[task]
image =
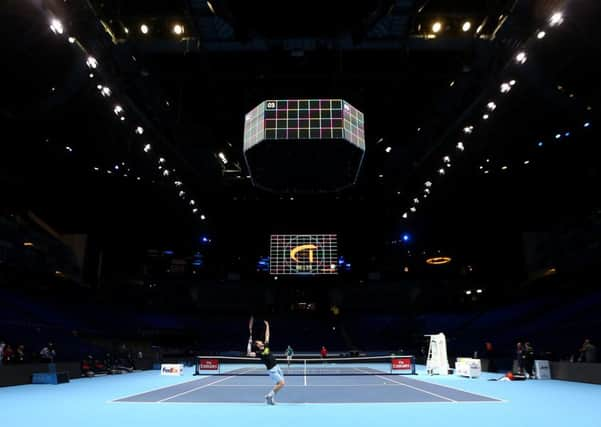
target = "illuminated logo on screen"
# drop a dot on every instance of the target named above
(303, 254)
(309, 248)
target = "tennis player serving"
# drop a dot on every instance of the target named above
(268, 358)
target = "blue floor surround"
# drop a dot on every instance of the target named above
(92, 402)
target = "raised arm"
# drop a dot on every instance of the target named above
(266, 331)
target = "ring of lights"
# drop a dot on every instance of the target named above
(438, 260)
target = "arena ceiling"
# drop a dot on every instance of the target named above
(424, 88)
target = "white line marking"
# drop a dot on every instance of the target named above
(415, 388)
(280, 403)
(198, 388)
(159, 388)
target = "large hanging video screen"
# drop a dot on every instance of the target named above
(303, 254)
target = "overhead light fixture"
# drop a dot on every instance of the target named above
(526, 162)
(105, 91)
(71, 40)
(504, 167)
(467, 25)
(468, 129)
(178, 29)
(441, 171)
(210, 6)
(412, 209)
(485, 117)
(556, 19)
(468, 292)
(69, 149)
(388, 149)
(404, 215)
(521, 58)
(161, 160)
(587, 124)
(139, 130)
(460, 146)
(182, 193)
(478, 291)
(436, 27)
(428, 184)
(438, 260)
(56, 26)
(222, 157)
(118, 110)
(380, 176)
(512, 82)
(91, 62)
(192, 202)
(416, 201)
(491, 106)
(427, 190)
(28, 244)
(144, 29)
(177, 183)
(505, 87)
(446, 159)
(541, 35)
(194, 210)
(166, 172)
(203, 217)
(147, 148)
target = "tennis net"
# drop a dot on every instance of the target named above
(367, 365)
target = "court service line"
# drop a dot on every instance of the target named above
(416, 388)
(201, 387)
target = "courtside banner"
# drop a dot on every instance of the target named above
(172, 369)
(402, 365)
(208, 365)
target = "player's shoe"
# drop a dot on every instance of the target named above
(269, 399)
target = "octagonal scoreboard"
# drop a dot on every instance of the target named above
(303, 254)
(304, 145)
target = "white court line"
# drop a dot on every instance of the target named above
(201, 387)
(415, 388)
(463, 390)
(280, 403)
(159, 388)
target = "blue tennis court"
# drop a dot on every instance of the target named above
(355, 388)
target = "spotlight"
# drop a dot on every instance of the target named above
(468, 292)
(144, 29)
(91, 62)
(56, 26)
(504, 168)
(446, 159)
(192, 202)
(166, 172)
(412, 209)
(467, 25)
(526, 162)
(71, 40)
(178, 183)
(541, 35)
(587, 125)
(460, 146)
(512, 82)
(388, 149)
(441, 171)
(416, 201)
(491, 106)
(105, 91)
(521, 58)
(118, 109)
(182, 193)
(139, 130)
(147, 148)
(178, 29)
(540, 143)
(428, 184)
(194, 211)
(161, 160)
(485, 117)
(404, 215)
(556, 19)
(505, 87)
(436, 27)
(468, 129)
(223, 158)
(203, 217)
(406, 237)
